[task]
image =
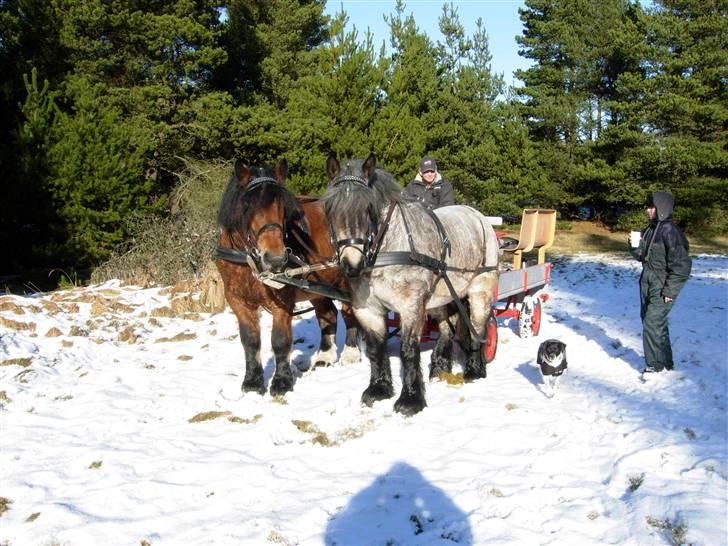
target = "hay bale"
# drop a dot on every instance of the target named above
(212, 293)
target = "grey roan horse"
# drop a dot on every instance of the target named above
(398, 257)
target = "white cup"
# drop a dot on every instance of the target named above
(634, 238)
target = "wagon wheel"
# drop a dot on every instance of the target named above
(491, 339)
(536, 320)
(529, 319)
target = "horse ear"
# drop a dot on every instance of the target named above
(368, 167)
(332, 167)
(242, 172)
(281, 171)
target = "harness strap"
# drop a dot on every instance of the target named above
(232, 255)
(374, 249)
(415, 258)
(321, 289)
(269, 226)
(402, 257)
(307, 247)
(408, 231)
(464, 315)
(445, 249)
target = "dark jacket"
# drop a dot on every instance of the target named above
(663, 252)
(438, 194)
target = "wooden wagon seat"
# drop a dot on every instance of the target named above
(538, 227)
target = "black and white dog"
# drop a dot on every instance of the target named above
(552, 361)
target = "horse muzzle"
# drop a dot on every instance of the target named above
(272, 262)
(352, 261)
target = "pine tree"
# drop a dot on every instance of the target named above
(270, 45)
(571, 96)
(134, 67)
(400, 133)
(678, 98)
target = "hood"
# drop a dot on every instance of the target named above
(664, 204)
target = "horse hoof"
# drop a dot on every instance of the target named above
(409, 406)
(374, 393)
(350, 355)
(471, 374)
(436, 371)
(253, 387)
(279, 387)
(324, 358)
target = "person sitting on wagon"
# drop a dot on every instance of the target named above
(429, 186)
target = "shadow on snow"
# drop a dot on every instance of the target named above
(400, 507)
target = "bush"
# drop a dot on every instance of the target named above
(709, 222)
(180, 246)
(634, 220)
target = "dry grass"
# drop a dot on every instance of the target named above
(4, 505)
(674, 531)
(452, 378)
(321, 438)
(212, 415)
(163, 251)
(574, 237)
(182, 336)
(635, 481)
(22, 362)
(208, 416)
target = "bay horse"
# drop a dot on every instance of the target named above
(398, 256)
(264, 227)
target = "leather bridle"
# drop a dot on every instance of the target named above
(252, 237)
(365, 245)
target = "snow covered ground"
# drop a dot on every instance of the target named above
(123, 423)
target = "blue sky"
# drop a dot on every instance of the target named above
(500, 18)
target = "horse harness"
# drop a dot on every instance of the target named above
(250, 255)
(235, 255)
(370, 249)
(374, 258)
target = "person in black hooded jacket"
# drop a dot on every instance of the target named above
(666, 264)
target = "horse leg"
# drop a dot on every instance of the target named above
(375, 336)
(350, 354)
(326, 314)
(441, 360)
(412, 398)
(480, 296)
(281, 338)
(249, 327)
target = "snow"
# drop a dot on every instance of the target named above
(107, 434)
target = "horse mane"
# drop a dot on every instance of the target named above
(238, 204)
(383, 185)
